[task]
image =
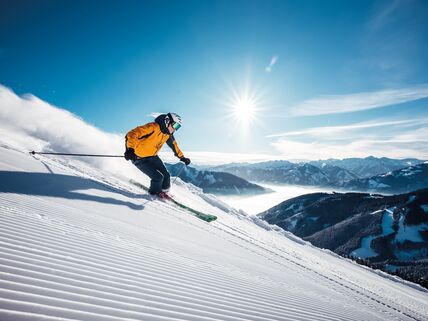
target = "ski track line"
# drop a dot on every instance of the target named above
(282, 252)
(77, 247)
(376, 297)
(111, 307)
(328, 285)
(63, 223)
(60, 279)
(10, 315)
(247, 316)
(156, 206)
(362, 293)
(55, 311)
(133, 297)
(95, 272)
(352, 294)
(88, 279)
(154, 272)
(341, 284)
(78, 227)
(39, 233)
(297, 271)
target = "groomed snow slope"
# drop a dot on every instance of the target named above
(77, 243)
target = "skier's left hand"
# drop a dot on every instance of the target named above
(130, 154)
(185, 160)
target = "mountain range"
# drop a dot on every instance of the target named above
(362, 174)
(369, 166)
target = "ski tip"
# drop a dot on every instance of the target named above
(207, 218)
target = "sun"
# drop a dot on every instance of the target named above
(244, 108)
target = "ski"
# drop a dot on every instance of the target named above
(200, 215)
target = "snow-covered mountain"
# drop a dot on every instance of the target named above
(337, 175)
(278, 172)
(387, 230)
(284, 172)
(369, 166)
(330, 173)
(399, 181)
(79, 242)
(220, 183)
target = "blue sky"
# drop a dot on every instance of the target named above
(291, 79)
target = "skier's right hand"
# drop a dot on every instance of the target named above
(130, 154)
(185, 160)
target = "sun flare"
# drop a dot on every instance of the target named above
(244, 109)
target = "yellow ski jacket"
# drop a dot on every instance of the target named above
(148, 139)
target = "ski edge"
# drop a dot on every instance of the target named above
(196, 213)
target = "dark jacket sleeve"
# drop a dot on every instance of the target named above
(172, 143)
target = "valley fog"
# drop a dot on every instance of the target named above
(255, 204)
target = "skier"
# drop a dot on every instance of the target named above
(143, 144)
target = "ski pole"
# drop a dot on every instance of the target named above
(179, 172)
(69, 154)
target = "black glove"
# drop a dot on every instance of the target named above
(130, 154)
(185, 160)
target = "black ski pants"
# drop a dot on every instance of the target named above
(154, 168)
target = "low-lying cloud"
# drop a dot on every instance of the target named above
(335, 104)
(394, 138)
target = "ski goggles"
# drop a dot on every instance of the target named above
(176, 126)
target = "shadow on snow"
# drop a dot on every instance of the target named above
(57, 185)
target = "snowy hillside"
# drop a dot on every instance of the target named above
(403, 180)
(78, 242)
